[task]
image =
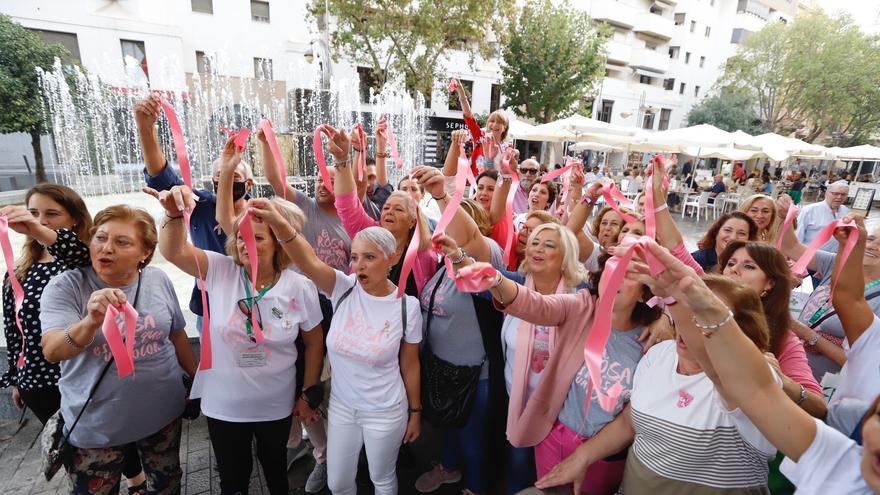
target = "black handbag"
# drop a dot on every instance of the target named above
(448, 390)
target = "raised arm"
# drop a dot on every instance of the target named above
(848, 299)
(24, 222)
(668, 234)
(225, 211)
(463, 101)
(173, 244)
(791, 246)
(301, 253)
(498, 208)
(270, 169)
(577, 219)
(381, 155)
(146, 112)
(450, 165)
(339, 146)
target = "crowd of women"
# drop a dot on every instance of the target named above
(707, 384)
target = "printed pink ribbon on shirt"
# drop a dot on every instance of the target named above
(123, 351)
(269, 132)
(205, 355)
(246, 229)
(412, 250)
(800, 267)
(318, 148)
(17, 291)
(790, 216)
(395, 153)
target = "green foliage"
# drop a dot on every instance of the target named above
(727, 111)
(818, 75)
(553, 60)
(21, 52)
(412, 37)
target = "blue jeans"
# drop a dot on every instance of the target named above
(468, 443)
(520, 469)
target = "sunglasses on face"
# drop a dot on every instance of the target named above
(530, 171)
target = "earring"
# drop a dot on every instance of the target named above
(763, 294)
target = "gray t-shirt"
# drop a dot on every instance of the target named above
(123, 409)
(819, 304)
(325, 233)
(455, 332)
(622, 355)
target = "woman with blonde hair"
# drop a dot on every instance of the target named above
(762, 210)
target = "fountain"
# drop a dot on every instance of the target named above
(96, 145)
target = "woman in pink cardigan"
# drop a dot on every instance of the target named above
(399, 215)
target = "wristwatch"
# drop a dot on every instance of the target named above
(814, 340)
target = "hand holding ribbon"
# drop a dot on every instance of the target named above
(358, 131)
(453, 85)
(395, 153)
(476, 278)
(612, 196)
(240, 137)
(122, 350)
(833, 229)
(318, 148)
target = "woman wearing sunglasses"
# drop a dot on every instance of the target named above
(249, 391)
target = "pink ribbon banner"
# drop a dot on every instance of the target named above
(318, 148)
(17, 291)
(122, 350)
(246, 228)
(800, 267)
(790, 217)
(269, 132)
(241, 136)
(205, 356)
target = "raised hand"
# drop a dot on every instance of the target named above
(98, 302)
(841, 235)
(175, 200)
(339, 145)
(381, 134)
(21, 220)
(431, 180)
(445, 245)
(146, 112)
(231, 155)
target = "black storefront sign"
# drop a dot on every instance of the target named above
(444, 124)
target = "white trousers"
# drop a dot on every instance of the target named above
(380, 432)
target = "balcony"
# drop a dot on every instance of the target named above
(654, 25)
(614, 13)
(653, 60)
(618, 53)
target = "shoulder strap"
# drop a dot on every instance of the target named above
(342, 298)
(430, 316)
(403, 317)
(833, 312)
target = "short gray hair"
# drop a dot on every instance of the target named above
(243, 166)
(381, 238)
(839, 183)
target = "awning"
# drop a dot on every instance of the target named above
(649, 73)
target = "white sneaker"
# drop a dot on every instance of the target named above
(318, 479)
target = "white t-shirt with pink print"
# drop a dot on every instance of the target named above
(364, 342)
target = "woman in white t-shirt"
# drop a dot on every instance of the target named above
(249, 390)
(373, 347)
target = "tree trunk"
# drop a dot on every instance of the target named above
(38, 155)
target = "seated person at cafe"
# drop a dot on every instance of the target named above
(717, 188)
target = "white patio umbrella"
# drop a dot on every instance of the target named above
(587, 145)
(520, 130)
(572, 128)
(863, 152)
(702, 135)
(729, 154)
(779, 147)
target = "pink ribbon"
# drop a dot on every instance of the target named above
(800, 267)
(594, 348)
(241, 136)
(566, 182)
(250, 244)
(362, 156)
(123, 351)
(395, 154)
(205, 356)
(789, 221)
(17, 291)
(318, 148)
(269, 132)
(650, 214)
(508, 216)
(412, 250)
(559, 171)
(461, 177)
(612, 196)
(475, 278)
(660, 301)
(453, 85)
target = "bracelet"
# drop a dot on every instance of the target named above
(292, 237)
(73, 344)
(413, 410)
(357, 150)
(498, 279)
(661, 208)
(313, 395)
(170, 218)
(708, 330)
(587, 200)
(383, 155)
(445, 195)
(803, 395)
(343, 163)
(460, 258)
(814, 340)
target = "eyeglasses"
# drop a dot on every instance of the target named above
(530, 171)
(249, 307)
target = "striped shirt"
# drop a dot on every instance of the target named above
(686, 436)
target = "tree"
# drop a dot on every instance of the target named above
(21, 52)
(412, 37)
(817, 75)
(553, 60)
(727, 111)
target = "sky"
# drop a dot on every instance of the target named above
(865, 12)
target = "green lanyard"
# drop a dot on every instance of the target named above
(826, 308)
(251, 302)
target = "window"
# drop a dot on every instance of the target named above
(263, 68)
(367, 79)
(648, 121)
(696, 91)
(673, 52)
(708, 31)
(669, 84)
(134, 55)
(646, 79)
(665, 113)
(495, 98)
(203, 6)
(687, 57)
(67, 40)
(702, 62)
(204, 63)
(655, 10)
(650, 46)
(607, 108)
(679, 18)
(681, 89)
(739, 35)
(468, 90)
(693, 26)
(259, 11)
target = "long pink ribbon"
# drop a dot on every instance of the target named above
(475, 278)
(318, 148)
(17, 291)
(597, 339)
(559, 171)
(269, 132)
(508, 215)
(395, 153)
(790, 216)
(205, 355)
(362, 156)
(412, 250)
(566, 172)
(612, 196)
(246, 228)
(650, 214)
(800, 267)
(461, 177)
(123, 351)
